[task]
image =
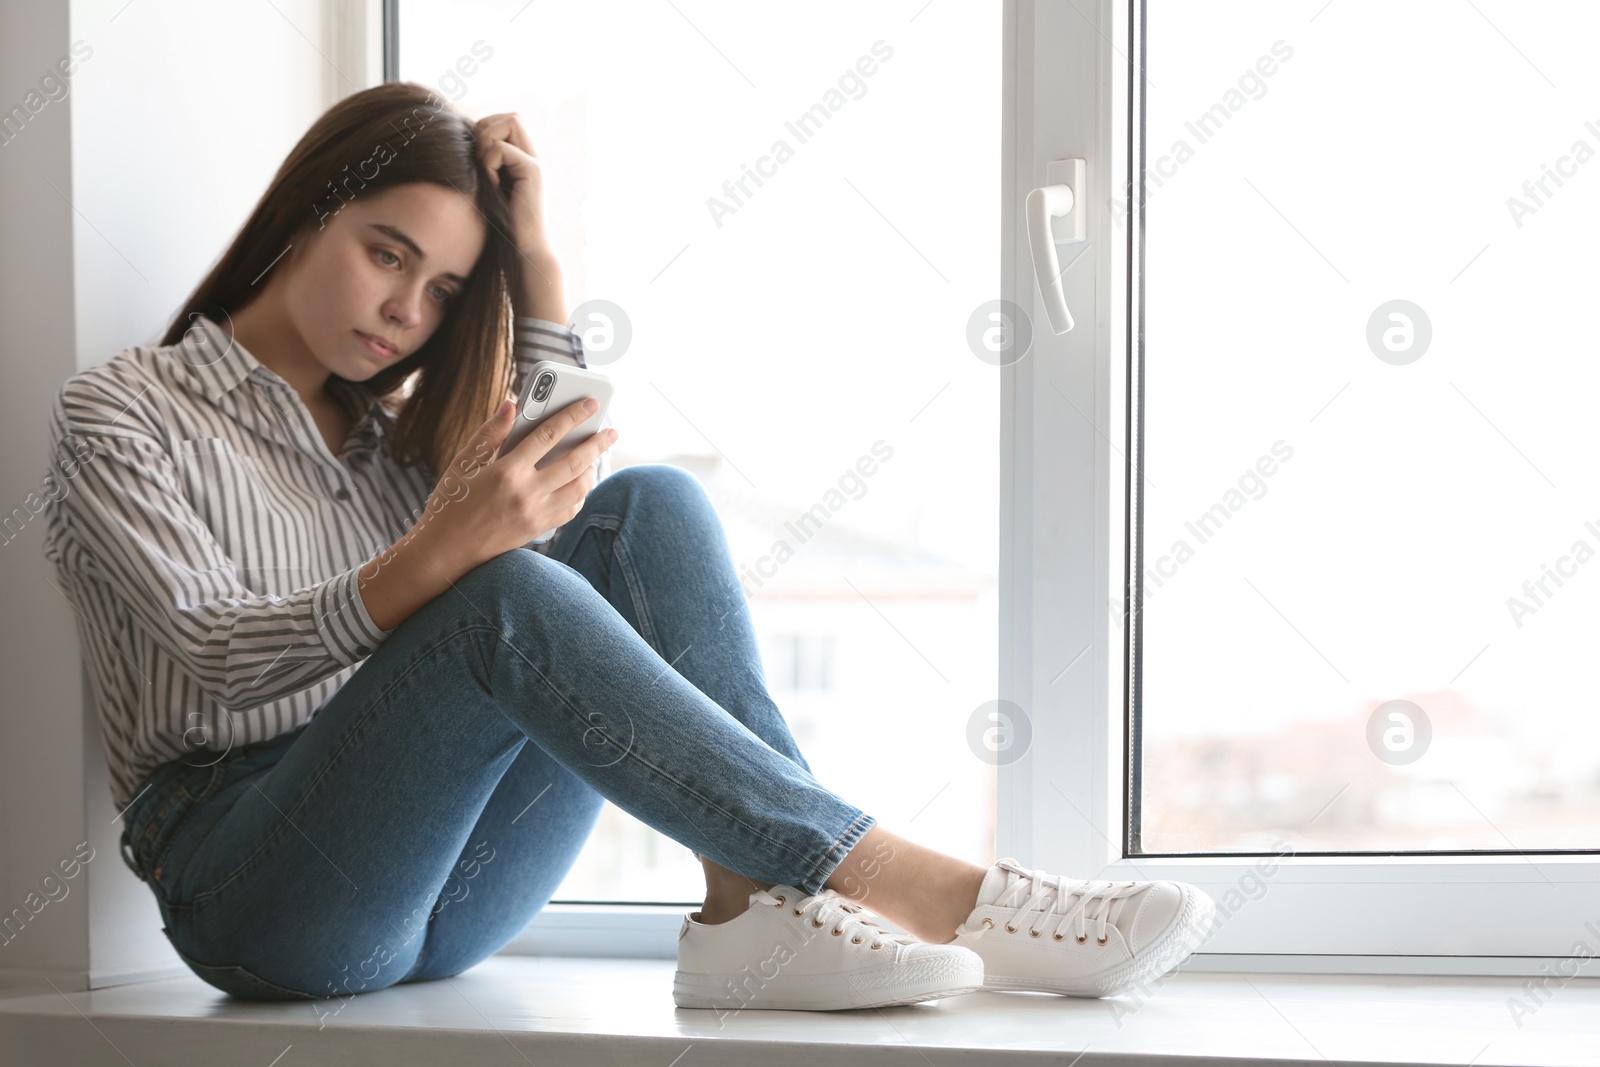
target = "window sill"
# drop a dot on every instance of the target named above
(565, 1010)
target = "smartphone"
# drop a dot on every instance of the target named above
(550, 387)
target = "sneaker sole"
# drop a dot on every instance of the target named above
(1173, 947)
(880, 987)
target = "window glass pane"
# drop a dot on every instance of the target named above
(1371, 522)
(796, 209)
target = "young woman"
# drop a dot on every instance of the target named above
(361, 727)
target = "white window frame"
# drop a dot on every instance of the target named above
(1068, 93)
(1070, 90)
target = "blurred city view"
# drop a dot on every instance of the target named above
(1317, 787)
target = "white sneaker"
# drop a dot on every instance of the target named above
(1044, 932)
(816, 953)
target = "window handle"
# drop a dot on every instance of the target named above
(1056, 215)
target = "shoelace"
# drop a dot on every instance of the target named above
(1050, 892)
(830, 906)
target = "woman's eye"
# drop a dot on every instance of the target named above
(445, 295)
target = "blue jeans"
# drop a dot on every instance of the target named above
(409, 830)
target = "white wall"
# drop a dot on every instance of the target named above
(41, 734)
(169, 132)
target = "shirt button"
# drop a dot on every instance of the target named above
(363, 649)
(343, 493)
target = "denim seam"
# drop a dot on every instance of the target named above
(730, 816)
(641, 603)
(225, 969)
(178, 795)
(841, 848)
(344, 745)
(642, 610)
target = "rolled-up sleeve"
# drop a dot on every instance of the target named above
(139, 536)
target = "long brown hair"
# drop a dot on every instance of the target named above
(411, 134)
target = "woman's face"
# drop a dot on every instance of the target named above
(387, 266)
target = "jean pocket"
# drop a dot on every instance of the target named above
(174, 794)
(235, 980)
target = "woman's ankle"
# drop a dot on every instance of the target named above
(923, 891)
(713, 914)
(727, 893)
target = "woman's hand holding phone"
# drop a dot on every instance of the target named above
(488, 503)
(484, 504)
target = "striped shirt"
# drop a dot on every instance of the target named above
(210, 542)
